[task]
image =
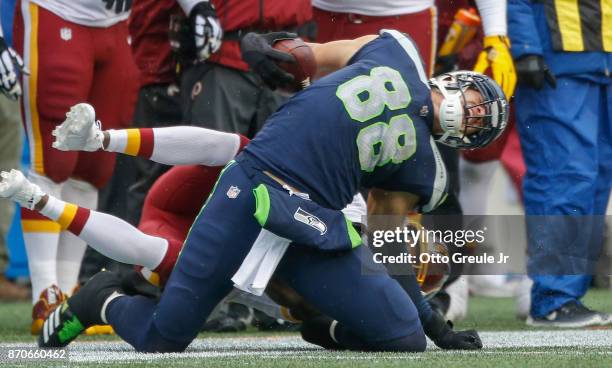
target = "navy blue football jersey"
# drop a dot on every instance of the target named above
(365, 125)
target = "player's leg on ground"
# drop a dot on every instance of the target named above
(218, 242)
(371, 309)
(558, 188)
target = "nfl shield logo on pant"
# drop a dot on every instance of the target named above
(233, 192)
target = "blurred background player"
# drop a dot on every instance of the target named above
(488, 52)
(10, 147)
(343, 19)
(74, 51)
(460, 39)
(563, 53)
(159, 100)
(221, 93)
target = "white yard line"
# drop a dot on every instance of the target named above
(292, 347)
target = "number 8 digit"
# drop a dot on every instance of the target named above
(365, 97)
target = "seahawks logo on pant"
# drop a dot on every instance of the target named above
(310, 220)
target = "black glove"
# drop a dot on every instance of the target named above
(206, 29)
(10, 64)
(533, 72)
(258, 52)
(442, 334)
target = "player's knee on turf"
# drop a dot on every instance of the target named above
(155, 343)
(153, 338)
(329, 334)
(416, 343)
(182, 314)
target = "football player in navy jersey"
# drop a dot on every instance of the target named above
(370, 123)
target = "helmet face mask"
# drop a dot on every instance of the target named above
(467, 124)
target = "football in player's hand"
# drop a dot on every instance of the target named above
(305, 66)
(432, 275)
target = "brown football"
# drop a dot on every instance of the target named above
(432, 275)
(305, 66)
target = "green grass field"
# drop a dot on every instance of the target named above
(508, 343)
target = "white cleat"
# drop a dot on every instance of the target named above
(80, 131)
(523, 297)
(18, 188)
(492, 286)
(458, 306)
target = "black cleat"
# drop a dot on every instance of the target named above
(224, 324)
(235, 319)
(571, 315)
(263, 322)
(79, 312)
(60, 328)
